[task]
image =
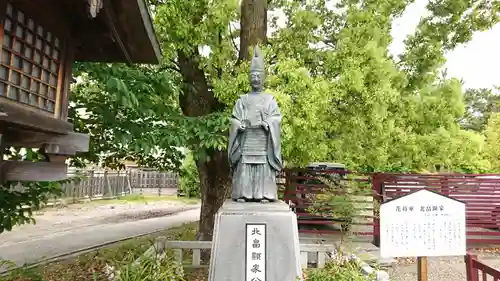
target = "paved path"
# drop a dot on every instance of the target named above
(74, 240)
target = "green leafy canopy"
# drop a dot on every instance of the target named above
(343, 96)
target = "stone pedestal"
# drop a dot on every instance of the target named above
(233, 243)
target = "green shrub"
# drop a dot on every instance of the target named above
(344, 197)
(154, 268)
(190, 181)
(19, 274)
(337, 270)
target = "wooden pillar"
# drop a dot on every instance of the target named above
(2, 148)
(158, 181)
(107, 192)
(1, 160)
(68, 68)
(76, 189)
(119, 183)
(93, 183)
(472, 273)
(129, 181)
(142, 177)
(377, 194)
(422, 269)
(61, 87)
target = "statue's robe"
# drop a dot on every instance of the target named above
(255, 153)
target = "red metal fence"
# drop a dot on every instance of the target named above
(351, 209)
(317, 213)
(475, 268)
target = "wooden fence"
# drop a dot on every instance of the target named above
(321, 252)
(480, 192)
(106, 184)
(311, 255)
(150, 182)
(475, 268)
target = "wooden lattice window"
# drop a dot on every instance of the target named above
(29, 62)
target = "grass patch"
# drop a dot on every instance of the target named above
(137, 198)
(127, 199)
(92, 266)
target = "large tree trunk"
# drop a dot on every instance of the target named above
(253, 25)
(215, 181)
(198, 100)
(215, 178)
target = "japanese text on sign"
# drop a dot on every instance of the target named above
(422, 224)
(421, 208)
(255, 252)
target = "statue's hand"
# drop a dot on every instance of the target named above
(265, 126)
(244, 124)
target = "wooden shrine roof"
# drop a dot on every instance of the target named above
(122, 30)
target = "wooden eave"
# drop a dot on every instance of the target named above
(121, 32)
(31, 120)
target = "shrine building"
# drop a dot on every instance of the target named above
(39, 41)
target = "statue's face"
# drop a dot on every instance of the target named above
(256, 80)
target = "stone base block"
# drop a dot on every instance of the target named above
(234, 247)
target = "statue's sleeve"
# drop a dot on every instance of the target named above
(273, 120)
(234, 146)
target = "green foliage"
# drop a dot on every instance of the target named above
(104, 263)
(126, 116)
(340, 269)
(16, 273)
(343, 200)
(132, 113)
(493, 140)
(190, 181)
(480, 104)
(448, 24)
(18, 200)
(343, 97)
(154, 268)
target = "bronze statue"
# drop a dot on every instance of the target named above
(254, 140)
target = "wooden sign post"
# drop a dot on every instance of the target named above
(422, 269)
(422, 224)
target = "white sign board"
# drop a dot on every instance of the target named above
(255, 252)
(422, 224)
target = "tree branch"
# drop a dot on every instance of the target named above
(219, 69)
(232, 40)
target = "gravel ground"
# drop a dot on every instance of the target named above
(67, 218)
(441, 268)
(446, 268)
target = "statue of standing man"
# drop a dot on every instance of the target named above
(254, 141)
